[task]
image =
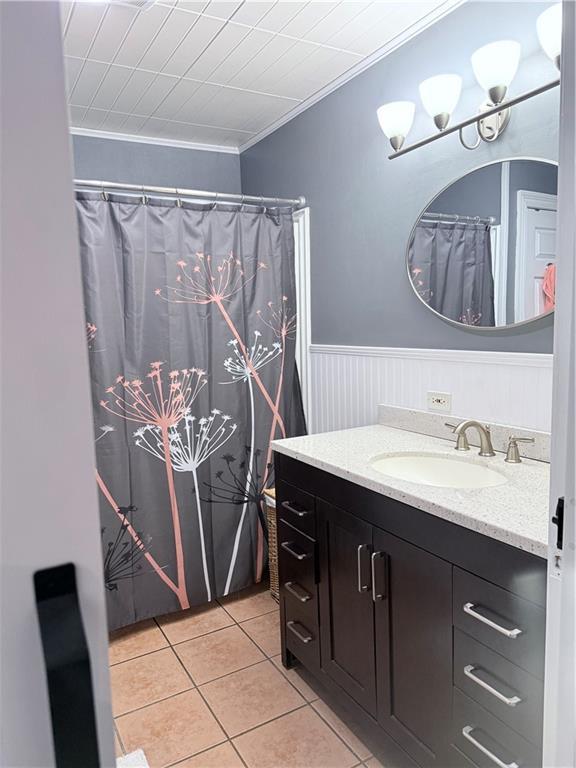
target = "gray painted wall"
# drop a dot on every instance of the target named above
(476, 194)
(137, 163)
(363, 206)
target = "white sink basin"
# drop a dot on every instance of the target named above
(437, 469)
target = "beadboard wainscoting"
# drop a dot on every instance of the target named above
(348, 383)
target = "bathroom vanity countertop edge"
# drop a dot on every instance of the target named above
(515, 513)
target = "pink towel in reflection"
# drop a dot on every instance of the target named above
(549, 287)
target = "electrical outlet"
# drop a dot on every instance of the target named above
(439, 401)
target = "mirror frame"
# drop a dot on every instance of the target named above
(455, 323)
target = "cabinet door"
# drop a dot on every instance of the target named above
(346, 606)
(413, 591)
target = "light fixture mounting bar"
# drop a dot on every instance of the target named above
(477, 118)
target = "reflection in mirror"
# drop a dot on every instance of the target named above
(483, 252)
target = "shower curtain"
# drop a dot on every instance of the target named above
(451, 268)
(190, 328)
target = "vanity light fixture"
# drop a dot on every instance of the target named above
(549, 28)
(396, 119)
(495, 66)
(439, 96)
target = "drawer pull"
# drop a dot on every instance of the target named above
(296, 628)
(287, 546)
(298, 591)
(467, 733)
(511, 701)
(471, 610)
(295, 508)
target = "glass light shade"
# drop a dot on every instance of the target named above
(549, 28)
(440, 94)
(396, 118)
(496, 64)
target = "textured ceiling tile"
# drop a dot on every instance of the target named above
(82, 27)
(114, 27)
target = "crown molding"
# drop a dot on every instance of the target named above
(427, 21)
(153, 140)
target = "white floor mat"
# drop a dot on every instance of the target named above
(133, 760)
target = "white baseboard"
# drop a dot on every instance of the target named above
(347, 383)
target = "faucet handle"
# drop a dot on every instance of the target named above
(452, 426)
(513, 454)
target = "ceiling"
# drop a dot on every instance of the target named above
(221, 73)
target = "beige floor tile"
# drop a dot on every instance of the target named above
(118, 746)
(194, 622)
(217, 654)
(265, 631)
(342, 730)
(223, 756)
(250, 697)
(249, 603)
(135, 640)
(300, 739)
(146, 679)
(293, 676)
(171, 730)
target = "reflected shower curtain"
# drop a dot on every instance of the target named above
(190, 324)
(451, 268)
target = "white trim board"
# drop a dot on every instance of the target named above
(427, 21)
(530, 359)
(347, 384)
(95, 134)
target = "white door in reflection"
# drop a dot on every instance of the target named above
(536, 252)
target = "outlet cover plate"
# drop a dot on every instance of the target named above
(441, 402)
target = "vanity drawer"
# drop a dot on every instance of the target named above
(508, 624)
(302, 634)
(297, 561)
(505, 690)
(486, 741)
(297, 508)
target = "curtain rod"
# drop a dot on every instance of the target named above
(457, 217)
(220, 197)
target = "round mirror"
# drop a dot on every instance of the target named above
(483, 252)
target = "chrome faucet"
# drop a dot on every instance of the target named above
(459, 430)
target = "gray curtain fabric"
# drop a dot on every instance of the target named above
(451, 268)
(190, 323)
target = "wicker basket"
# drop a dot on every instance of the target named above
(270, 496)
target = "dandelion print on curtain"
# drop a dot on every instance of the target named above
(190, 328)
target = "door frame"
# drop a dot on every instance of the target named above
(303, 327)
(525, 200)
(560, 683)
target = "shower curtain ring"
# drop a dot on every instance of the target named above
(104, 194)
(178, 199)
(144, 198)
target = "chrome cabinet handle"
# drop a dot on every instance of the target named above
(292, 626)
(299, 511)
(379, 593)
(362, 586)
(511, 701)
(287, 546)
(467, 733)
(298, 591)
(469, 608)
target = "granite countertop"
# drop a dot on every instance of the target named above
(515, 512)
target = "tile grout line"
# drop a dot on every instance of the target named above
(337, 734)
(117, 732)
(224, 731)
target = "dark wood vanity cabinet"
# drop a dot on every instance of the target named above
(431, 634)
